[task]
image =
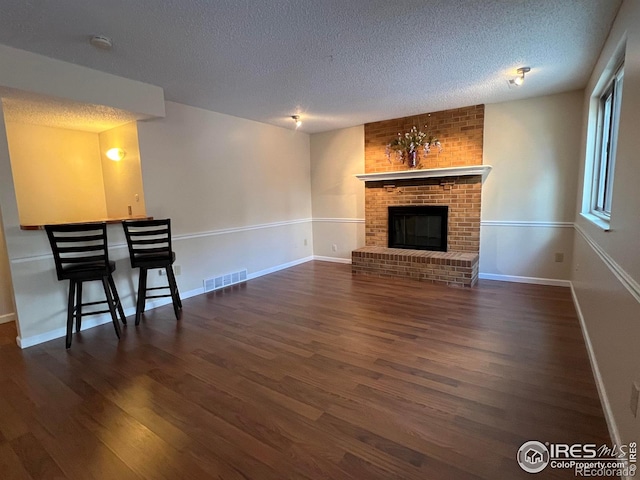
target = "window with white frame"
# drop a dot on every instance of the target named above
(605, 148)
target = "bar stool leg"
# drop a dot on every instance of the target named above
(112, 307)
(177, 291)
(175, 284)
(78, 306)
(70, 312)
(116, 299)
(142, 294)
(173, 287)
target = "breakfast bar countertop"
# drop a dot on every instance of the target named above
(106, 220)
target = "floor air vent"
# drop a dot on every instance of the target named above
(215, 283)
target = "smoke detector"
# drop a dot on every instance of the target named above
(101, 42)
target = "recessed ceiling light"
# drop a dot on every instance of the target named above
(101, 42)
(296, 118)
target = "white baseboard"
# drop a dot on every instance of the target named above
(332, 259)
(7, 317)
(602, 393)
(95, 321)
(277, 268)
(87, 323)
(517, 279)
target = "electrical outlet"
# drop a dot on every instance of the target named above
(334, 248)
(559, 257)
(161, 272)
(635, 394)
(305, 242)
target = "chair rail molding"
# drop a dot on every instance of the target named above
(627, 280)
(525, 223)
(183, 236)
(338, 220)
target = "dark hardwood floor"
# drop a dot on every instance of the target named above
(308, 373)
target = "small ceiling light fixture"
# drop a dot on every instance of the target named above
(296, 118)
(116, 154)
(101, 42)
(519, 80)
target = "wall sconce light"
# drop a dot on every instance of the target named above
(296, 118)
(116, 154)
(519, 80)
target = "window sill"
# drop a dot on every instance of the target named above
(597, 221)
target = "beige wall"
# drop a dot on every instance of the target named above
(122, 179)
(64, 175)
(609, 302)
(337, 196)
(57, 174)
(528, 199)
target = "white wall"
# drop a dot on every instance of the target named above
(337, 196)
(35, 73)
(606, 265)
(39, 297)
(528, 199)
(7, 309)
(13, 240)
(238, 192)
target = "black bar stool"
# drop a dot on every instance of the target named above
(81, 255)
(149, 244)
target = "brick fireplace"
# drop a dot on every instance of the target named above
(452, 178)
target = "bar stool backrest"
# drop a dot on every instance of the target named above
(79, 246)
(148, 239)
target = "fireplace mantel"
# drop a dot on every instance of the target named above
(427, 173)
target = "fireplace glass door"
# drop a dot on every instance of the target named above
(422, 227)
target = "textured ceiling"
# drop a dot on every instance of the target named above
(26, 107)
(336, 62)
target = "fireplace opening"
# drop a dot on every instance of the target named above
(421, 228)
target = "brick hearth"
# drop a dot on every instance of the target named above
(451, 268)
